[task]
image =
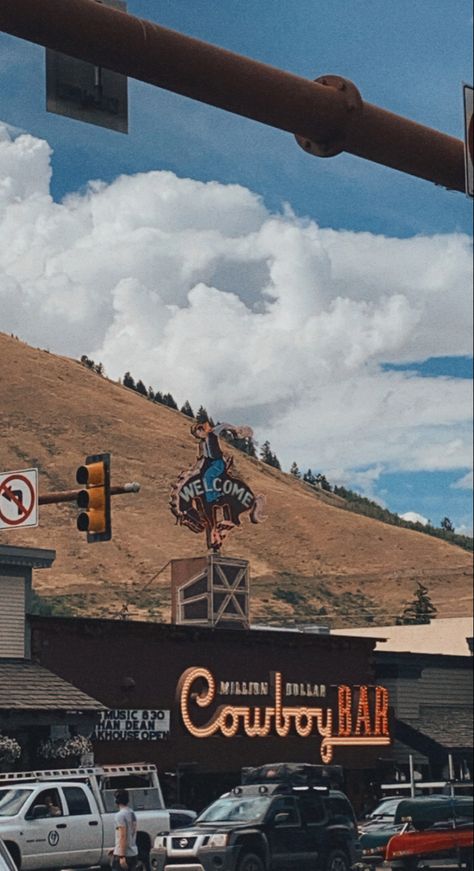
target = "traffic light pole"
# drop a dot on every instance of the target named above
(71, 495)
(327, 116)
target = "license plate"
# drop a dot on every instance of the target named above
(183, 868)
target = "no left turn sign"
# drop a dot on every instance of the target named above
(19, 498)
(469, 139)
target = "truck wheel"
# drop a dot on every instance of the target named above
(250, 862)
(466, 859)
(14, 853)
(410, 864)
(337, 861)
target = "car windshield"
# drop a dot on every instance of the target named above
(236, 810)
(385, 810)
(12, 800)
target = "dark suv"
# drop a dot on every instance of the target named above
(265, 827)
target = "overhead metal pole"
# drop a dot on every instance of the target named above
(71, 495)
(327, 116)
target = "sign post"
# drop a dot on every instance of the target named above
(19, 499)
(87, 92)
(469, 139)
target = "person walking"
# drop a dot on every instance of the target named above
(125, 852)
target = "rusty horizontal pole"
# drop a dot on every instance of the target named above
(71, 495)
(317, 114)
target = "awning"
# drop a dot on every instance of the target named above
(27, 689)
(438, 732)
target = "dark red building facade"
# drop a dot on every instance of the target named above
(204, 703)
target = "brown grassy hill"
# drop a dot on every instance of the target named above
(311, 561)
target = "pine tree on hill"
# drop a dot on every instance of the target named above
(309, 478)
(247, 445)
(187, 410)
(140, 388)
(169, 401)
(128, 381)
(323, 483)
(421, 610)
(202, 415)
(268, 457)
(265, 453)
(295, 471)
(447, 525)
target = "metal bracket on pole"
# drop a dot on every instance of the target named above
(354, 106)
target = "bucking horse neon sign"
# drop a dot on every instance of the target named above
(207, 497)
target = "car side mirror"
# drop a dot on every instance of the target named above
(281, 819)
(38, 812)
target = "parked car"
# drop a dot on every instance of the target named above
(384, 812)
(435, 812)
(65, 818)
(376, 830)
(265, 826)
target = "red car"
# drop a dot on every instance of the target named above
(433, 830)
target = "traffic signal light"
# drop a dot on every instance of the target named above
(95, 518)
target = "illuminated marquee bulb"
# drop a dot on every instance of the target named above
(203, 699)
(344, 694)
(363, 713)
(381, 726)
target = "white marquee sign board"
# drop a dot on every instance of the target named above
(19, 499)
(132, 725)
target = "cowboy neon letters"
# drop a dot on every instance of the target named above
(228, 487)
(364, 723)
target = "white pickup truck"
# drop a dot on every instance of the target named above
(64, 818)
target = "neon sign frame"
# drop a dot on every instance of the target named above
(366, 724)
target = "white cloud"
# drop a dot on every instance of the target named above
(413, 517)
(464, 483)
(266, 319)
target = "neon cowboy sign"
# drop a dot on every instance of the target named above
(208, 497)
(361, 717)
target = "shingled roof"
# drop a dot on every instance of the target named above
(451, 728)
(437, 732)
(25, 686)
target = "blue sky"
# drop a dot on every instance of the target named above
(307, 226)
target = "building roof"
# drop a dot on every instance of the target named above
(438, 732)
(32, 557)
(451, 728)
(448, 636)
(25, 686)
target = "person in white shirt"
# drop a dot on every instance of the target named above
(125, 851)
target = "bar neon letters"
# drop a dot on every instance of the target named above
(365, 729)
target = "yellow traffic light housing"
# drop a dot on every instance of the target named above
(95, 518)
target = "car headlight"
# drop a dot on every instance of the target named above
(220, 839)
(160, 842)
